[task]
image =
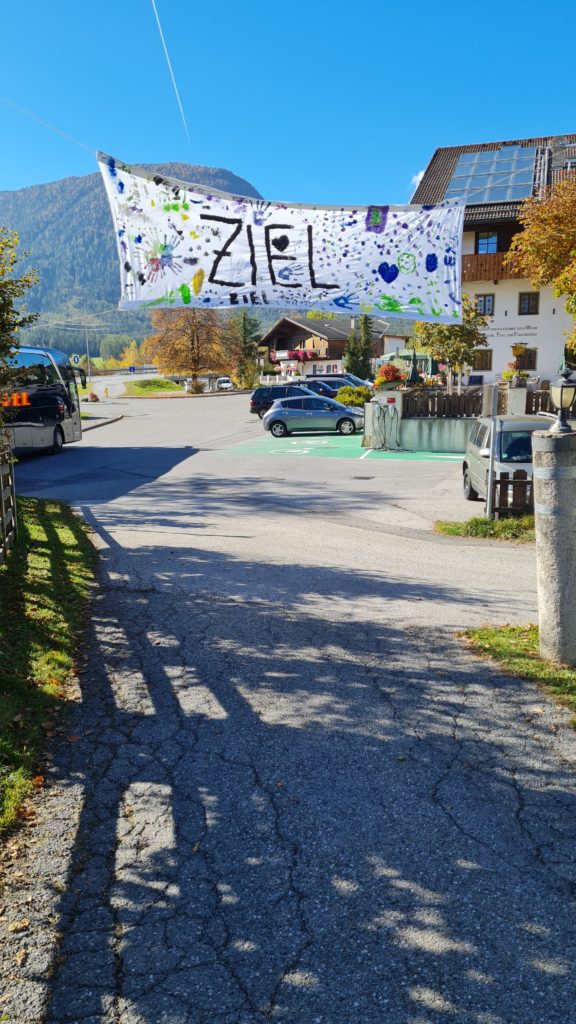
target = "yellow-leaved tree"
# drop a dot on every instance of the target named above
(545, 250)
(131, 355)
(186, 341)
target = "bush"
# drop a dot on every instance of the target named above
(355, 396)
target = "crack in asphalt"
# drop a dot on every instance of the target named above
(299, 818)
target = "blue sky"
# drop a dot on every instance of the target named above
(318, 101)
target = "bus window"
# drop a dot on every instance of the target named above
(36, 368)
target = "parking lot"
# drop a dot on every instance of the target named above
(331, 446)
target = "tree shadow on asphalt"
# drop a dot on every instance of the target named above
(79, 472)
(81, 476)
(300, 818)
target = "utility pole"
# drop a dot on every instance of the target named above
(88, 355)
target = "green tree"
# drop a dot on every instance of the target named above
(112, 344)
(241, 338)
(454, 344)
(358, 353)
(12, 288)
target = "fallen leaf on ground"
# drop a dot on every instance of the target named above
(38, 781)
(19, 926)
(73, 739)
(21, 957)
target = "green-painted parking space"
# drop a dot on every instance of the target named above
(331, 446)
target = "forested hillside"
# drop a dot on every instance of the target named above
(67, 226)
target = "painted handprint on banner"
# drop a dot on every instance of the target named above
(160, 258)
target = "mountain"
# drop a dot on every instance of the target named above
(67, 226)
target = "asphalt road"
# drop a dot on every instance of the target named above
(293, 795)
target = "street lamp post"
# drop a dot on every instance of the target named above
(562, 395)
(413, 376)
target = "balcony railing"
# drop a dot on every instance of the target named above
(486, 267)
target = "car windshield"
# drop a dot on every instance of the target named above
(516, 446)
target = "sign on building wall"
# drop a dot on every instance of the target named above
(186, 245)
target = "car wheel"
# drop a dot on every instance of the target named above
(58, 441)
(469, 493)
(278, 429)
(260, 414)
(346, 427)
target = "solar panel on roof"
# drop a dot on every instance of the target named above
(496, 176)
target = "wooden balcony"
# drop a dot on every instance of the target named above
(486, 267)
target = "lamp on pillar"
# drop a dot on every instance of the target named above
(562, 395)
(519, 350)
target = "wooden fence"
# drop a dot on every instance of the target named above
(7, 505)
(428, 402)
(538, 401)
(513, 495)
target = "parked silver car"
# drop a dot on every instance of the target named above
(513, 450)
(289, 414)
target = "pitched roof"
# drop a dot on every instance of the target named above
(438, 174)
(338, 329)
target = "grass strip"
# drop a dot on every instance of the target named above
(516, 528)
(44, 599)
(516, 649)
(152, 386)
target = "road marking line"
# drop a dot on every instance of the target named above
(366, 453)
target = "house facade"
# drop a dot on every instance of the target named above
(494, 178)
(299, 346)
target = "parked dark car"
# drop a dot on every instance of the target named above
(264, 397)
(320, 387)
(340, 380)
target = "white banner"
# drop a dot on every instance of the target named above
(187, 245)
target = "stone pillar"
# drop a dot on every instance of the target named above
(517, 399)
(555, 515)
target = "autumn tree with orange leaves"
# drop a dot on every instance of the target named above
(186, 341)
(545, 250)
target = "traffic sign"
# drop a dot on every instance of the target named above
(131, 369)
(76, 360)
